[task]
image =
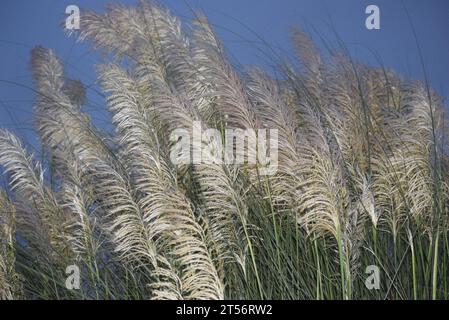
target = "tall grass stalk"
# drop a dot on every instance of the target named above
(361, 179)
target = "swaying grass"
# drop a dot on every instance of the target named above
(362, 177)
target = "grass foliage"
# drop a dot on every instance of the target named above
(362, 177)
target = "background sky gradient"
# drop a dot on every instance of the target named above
(247, 28)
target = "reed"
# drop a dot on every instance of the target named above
(362, 175)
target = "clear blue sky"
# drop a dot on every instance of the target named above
(243, 26)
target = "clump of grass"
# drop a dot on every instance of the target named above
(361, 180)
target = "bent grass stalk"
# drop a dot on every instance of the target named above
(276, 238)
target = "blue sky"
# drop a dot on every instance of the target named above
(246, 27)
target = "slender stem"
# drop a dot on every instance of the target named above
(415, 287)
(342, 264)
(435, 267)
(253, 260)
(276, 234)
(319, 290)
(375, 240)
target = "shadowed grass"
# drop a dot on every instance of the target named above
(362, 176)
